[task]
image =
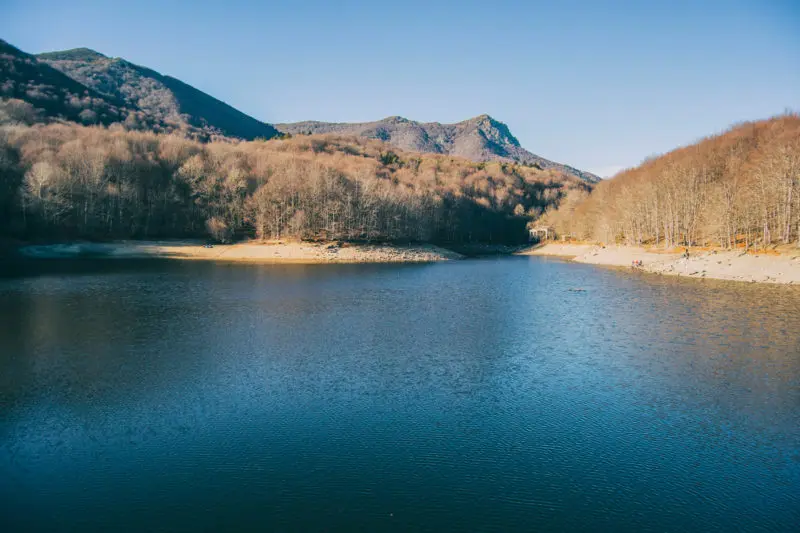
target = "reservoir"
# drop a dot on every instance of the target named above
(500, 394)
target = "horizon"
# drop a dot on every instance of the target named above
(657, 77)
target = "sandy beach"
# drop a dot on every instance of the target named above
(281, 252)
(725, 265)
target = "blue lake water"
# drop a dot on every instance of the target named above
(477, 395)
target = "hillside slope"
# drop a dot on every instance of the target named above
(52, 93)
(481, 138)
(740, 188)
(161, 103)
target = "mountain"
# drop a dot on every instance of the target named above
(161, 103)
(480, 139)
(67, 180)
(85, 86)
(52, 93)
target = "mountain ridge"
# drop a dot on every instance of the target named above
(480, 138)
(51, 93)
(161, 101)
(72, 54)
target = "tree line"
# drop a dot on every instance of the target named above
(740, 188)
(67, 181)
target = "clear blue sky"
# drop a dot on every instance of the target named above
(598, 85)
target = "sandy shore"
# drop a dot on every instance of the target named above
(734, 266)
(285, 252)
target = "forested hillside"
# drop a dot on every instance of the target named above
(158, 103)
(66, 181)
(86, 87)
(738, 188)
(46, 93)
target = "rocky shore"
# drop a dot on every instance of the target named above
(716, 264)
(280, 252)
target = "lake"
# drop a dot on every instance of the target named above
(500, 394)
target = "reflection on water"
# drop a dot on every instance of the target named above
(474, 395)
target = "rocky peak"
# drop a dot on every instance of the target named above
(493, 130)
(480, 138)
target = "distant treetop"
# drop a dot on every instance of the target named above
(74, 54)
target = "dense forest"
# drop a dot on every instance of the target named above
(740, 188)
(67, 181)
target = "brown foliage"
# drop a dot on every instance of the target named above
(738, 188)
(66, 181)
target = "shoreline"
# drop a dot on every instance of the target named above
(714, 264)
(248, 252)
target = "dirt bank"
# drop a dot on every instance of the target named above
(285, 252)
(727, 265)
